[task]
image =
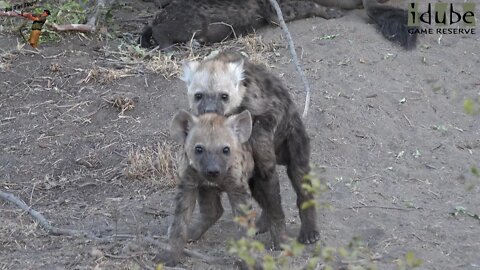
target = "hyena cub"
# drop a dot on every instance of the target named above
(215, 159)
(228, 83)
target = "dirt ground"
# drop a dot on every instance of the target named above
(388, 126)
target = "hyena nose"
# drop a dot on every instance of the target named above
(213, 172)
(210, 110)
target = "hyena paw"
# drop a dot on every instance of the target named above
(167, 258)
(308, 236)
(262, 224)
(194, 234)
(334, 13)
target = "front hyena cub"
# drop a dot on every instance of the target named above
(228, 83)
(215, 159)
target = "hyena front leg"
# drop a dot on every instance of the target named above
(241, 204)
(211, 210)
(184, 205)
(264, 184)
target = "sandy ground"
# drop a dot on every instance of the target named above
(388, 126)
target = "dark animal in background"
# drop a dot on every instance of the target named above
(210, 21)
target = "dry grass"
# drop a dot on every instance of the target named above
(169, 64)
(157, 165)
(164, 65)
(55, 67)
(122, 103)
(104, 76)
(6, 60)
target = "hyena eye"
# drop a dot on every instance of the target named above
(225, 97)
(198, 149)
(226, 150)
(198, 96)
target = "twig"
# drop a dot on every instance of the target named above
(291, 46)
(41, 219)
(229, 25)
(408, 120)
(381, 207)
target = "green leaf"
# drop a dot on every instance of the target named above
(411, 260)
(307, 204)
(475, 171)
(328, 254)
(269, 263)
(252, 231)
(469, 106)
(297, 248)
(312, 263)
(257, 245)
(328, 37)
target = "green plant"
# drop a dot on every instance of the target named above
(354, 256)
(62, 12)
(409, 261)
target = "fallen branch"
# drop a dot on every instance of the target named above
(291, 46)
(70, 27)
(92, 22)
(45, 224)
(9, 14)
(42, 220)
(56, 27)
(90, 26)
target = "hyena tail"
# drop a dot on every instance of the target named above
(393, 24)
(145, 39)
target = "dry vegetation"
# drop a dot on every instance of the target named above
(169, 64)
(157, 165)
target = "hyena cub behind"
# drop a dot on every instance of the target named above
(227, 84)
(215, 159)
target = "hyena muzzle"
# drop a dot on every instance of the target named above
(215, 159)
(228, 83)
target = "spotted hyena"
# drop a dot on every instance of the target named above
(210, 21)
(228, 83)
(215, 159)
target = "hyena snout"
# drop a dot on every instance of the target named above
(210, 105)
(210, 109)
(213, 166)
(213, 172)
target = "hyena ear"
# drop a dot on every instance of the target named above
(181, 124)
(241, 124)
(189, 68)
(236, 68)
